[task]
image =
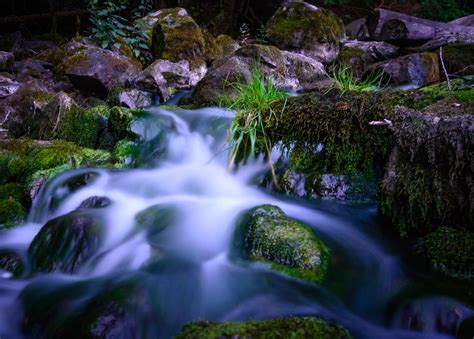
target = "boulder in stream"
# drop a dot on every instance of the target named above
(267, 235)
(295, 327)
(65, 243)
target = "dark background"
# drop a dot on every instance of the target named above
(32, 17)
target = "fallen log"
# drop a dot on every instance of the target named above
(417, 33)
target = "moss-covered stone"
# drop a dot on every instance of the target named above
(11, 212)
(64, 244)
(13, 191)
(175, 36)
(266, 234)
(449, 251)
(296, 327)
(459, 59)
(307, 28)
(356, 59)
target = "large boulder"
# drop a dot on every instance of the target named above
(267, 235)
(175, 36)
(66, 243)
(413, 69)
(305, 28)
(96, 70)
(295, 327)
(286, 70)
(166, 77)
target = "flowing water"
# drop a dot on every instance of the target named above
(187, 271)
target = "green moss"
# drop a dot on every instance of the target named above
(176, 37)
(120, 121)
(11, 212)
(14, 191)
(449, 251)
(84, 126)
(296, 327)
(125, 153)
(269, 236)
(78, 59)
(299, 23)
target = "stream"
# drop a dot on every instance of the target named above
(187, 272)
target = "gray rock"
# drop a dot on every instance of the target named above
(6, 61)
(416, 69)
(7, 87)
(95, 202)
(135, 99)
(379, 50)
(304, 28)
(165, 77)
(309, 73)
(97, 70)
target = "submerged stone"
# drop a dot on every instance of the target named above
(295, 327)
(11, 262)
(266, 234)
(65, 243)
(95, 202)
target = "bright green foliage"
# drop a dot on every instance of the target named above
(345, 81)
(11, 212)
(247, 134)
(294, 328)
(110, 28)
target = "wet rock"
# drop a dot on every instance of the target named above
(66, 243)
(295, 327)
(38, 73)
(7, 87)
(6, 61)
(166, 77)
(417, 69)
(156, 219)
(266, 234)
(449, 251)
(431, 315)
(95, 202)
(307, 29)
(357, 30)
(226, 45)
(98, 71)
(135, 99)
(11, 262)
(175, 36)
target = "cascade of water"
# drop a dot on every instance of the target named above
(191, 271)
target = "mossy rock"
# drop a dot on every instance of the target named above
(459, 59)
(156, 219)
(11, 212)
(125, 153)
(64, 244)
(300, 26)
(175, 36)
(295, 327)
(356, 59)
(266, 234)
(449, 251)
(14, 191)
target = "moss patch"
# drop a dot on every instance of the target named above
(449, 251)
(303, 327)
(11, 212)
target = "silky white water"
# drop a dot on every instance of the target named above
(187, 269)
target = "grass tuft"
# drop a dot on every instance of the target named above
(253, 103)
(345, 81)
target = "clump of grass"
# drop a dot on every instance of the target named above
(247, 134)
(345, 80)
